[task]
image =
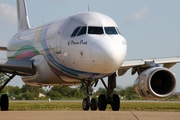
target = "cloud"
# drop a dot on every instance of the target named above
(137, 16)
(8, 14)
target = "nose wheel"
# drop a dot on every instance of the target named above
(88, 102)
(94, 104)
(85, 104)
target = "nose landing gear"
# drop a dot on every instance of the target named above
(88, 102)
(103, 100)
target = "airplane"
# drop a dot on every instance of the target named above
(80, 49)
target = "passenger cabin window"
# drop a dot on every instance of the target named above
(110, 30)
(82, 31)
(75, 32)
(95, 30)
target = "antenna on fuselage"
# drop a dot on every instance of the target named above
(88, 8)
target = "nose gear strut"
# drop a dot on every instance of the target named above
(88, 102)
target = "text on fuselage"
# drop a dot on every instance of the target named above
(81, 42)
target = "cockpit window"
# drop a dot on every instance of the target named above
(118, 30)
(95, 30)
(110, 30)
(82, 31)
(75, 32)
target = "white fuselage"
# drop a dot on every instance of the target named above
(83, 46)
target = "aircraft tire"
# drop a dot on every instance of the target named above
(94, 104)
(85, 104)
(102, 102)
(115, 102)
(4, 102)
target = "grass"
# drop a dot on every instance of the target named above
(125, 106)
(44, 106)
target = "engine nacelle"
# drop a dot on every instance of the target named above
(155, 83)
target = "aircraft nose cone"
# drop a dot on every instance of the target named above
(107, 56)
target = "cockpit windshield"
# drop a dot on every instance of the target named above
(81, 30)
(118, 30)
(95, 30)
(75, 32)
(110, 30)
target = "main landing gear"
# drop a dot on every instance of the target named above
(4, 100)
(103, 100)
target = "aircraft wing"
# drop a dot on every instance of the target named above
(166, 62)
(17, 67)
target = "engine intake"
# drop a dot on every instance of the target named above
(155, 83)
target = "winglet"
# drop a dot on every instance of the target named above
(23, 20)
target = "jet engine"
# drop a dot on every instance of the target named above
(157, 83)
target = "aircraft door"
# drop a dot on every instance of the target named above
(59, 35)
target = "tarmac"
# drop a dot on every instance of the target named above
(88, 115)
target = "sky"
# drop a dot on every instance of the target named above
(151, 27)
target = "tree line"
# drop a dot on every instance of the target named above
(27, 92)
(58, 92)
